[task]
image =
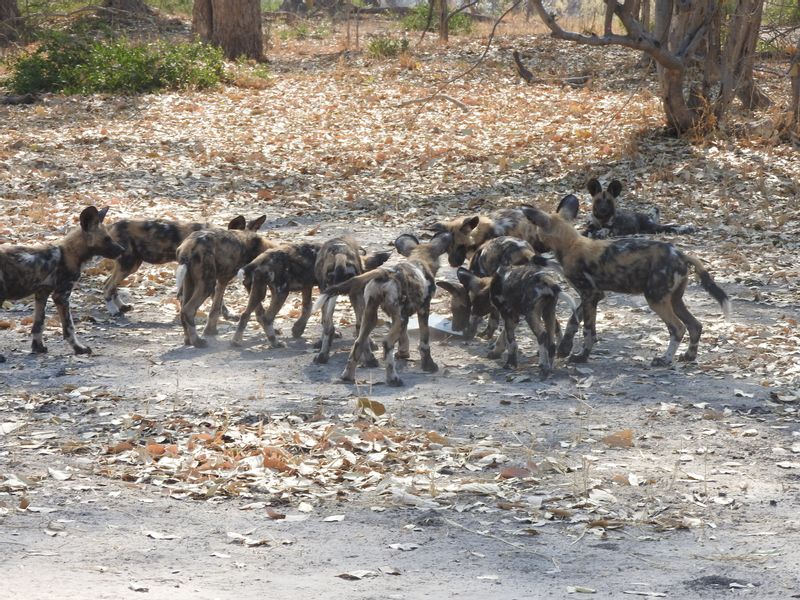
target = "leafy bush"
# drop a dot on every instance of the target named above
(416, 19)
(81, 65)
(386, 47)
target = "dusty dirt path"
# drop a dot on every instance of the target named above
(696, 507)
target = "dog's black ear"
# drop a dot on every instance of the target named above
(373, 261)
(465, 276)
(238, 223)
(90, 218)
(405, 243)
(536, 216)
(441, 242)
(594, 187)
(437, 227)
(256, 224)
(101, 214)
(470, 223)
(568, 207)
(455, 289)
(615, 188)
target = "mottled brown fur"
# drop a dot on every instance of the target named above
(54, 270)
(401, 291)
(633, 266)
(207, 261)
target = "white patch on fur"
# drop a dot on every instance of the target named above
(240, 275)
(180, 275)
(112, 307)
(727, 308)
(27, 258)
(590, 279)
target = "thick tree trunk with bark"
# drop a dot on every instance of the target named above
(233, 26)
(444, 21)
(704, 50)
(9, 21)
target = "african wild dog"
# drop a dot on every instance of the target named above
(151, 241)
(54, 270)
(607, 219)
(632, 266)
(469, 233)
(283, 269)
(339, 260)
(207, 261)
(522, 291)
(400, 290)
(498, 252)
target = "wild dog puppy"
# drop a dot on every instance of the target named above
(207, 261)
(655, 269)
(498, 252)
(607, 219)
(286, 268)
(469, 233)
(54, 270)
(400, 290)
(522, 291)
(340, 259)
(151, 241)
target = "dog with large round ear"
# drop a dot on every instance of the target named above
(440, 242)
(405, 243)
(238, 223)
(91, 217)
(568, 207)
(459, 304)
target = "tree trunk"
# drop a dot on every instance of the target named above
(9, 21)
(233, 26)
(444, 21)
(794, 74)
(747, 90)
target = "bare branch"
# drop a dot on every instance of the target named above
(462, 9)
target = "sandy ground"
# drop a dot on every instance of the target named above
(706, 448)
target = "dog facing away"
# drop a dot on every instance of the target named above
(153, 241)
(470, 233)
(400, 290)
(522, 292)
(207, 261)
(655, 269)
(286, 268)
(607, 219)
(53, 270)
(341, 259)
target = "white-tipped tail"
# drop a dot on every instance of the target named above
(180, 275)
(240, 275)
(323, 298)
(727, 308)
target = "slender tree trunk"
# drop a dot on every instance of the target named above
(233, 26)
(747, 90)
(444, 25)
(9, 21)
(794, 74)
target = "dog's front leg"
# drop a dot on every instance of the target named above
(328, 330)
(37, 346)
(61, 300)
(399, 324)
(361, 345)
(267, 319)
(589, 307)
(424, 340)
(509, 330)
(567, 340)
(300, 325)
(258, 291)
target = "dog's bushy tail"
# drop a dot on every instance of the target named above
(352, 285)
(180, 276)
(709, 285)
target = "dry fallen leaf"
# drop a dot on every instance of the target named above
(619, 439)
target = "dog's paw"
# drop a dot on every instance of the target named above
(687, 357)
(200, 343)
(298, 329)
(38, 347)
(660, 361)
(399, 355)
(494, 354)
(371, 362)
(82, 349)
(394, 382)
(578, 358)
(320, 359)
(429, 366)
(125, 308)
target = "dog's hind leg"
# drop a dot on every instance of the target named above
(395, 332)
(61, 300)
(189, 314)
(328, 330)
(664, 309)
(368, 322)
(509, 335)
(267, 319)
(37, 345)
(425, 340)
(692, 324)
(216, 308)
(589, 316)
(258, 291)
(568, 339)
(300, 325)
(124, 266)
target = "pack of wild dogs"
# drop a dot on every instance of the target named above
(515, 260)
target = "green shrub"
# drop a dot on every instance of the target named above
(81, 65)
(418, 17)
(386, 47)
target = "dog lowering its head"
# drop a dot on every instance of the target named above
(152, 241)
(207, 261)
(340, 259)
(401, 291)
(54, 270)
(522, 291)
(655, 269)
(608, 219)
(470, 233)
(286, 268)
